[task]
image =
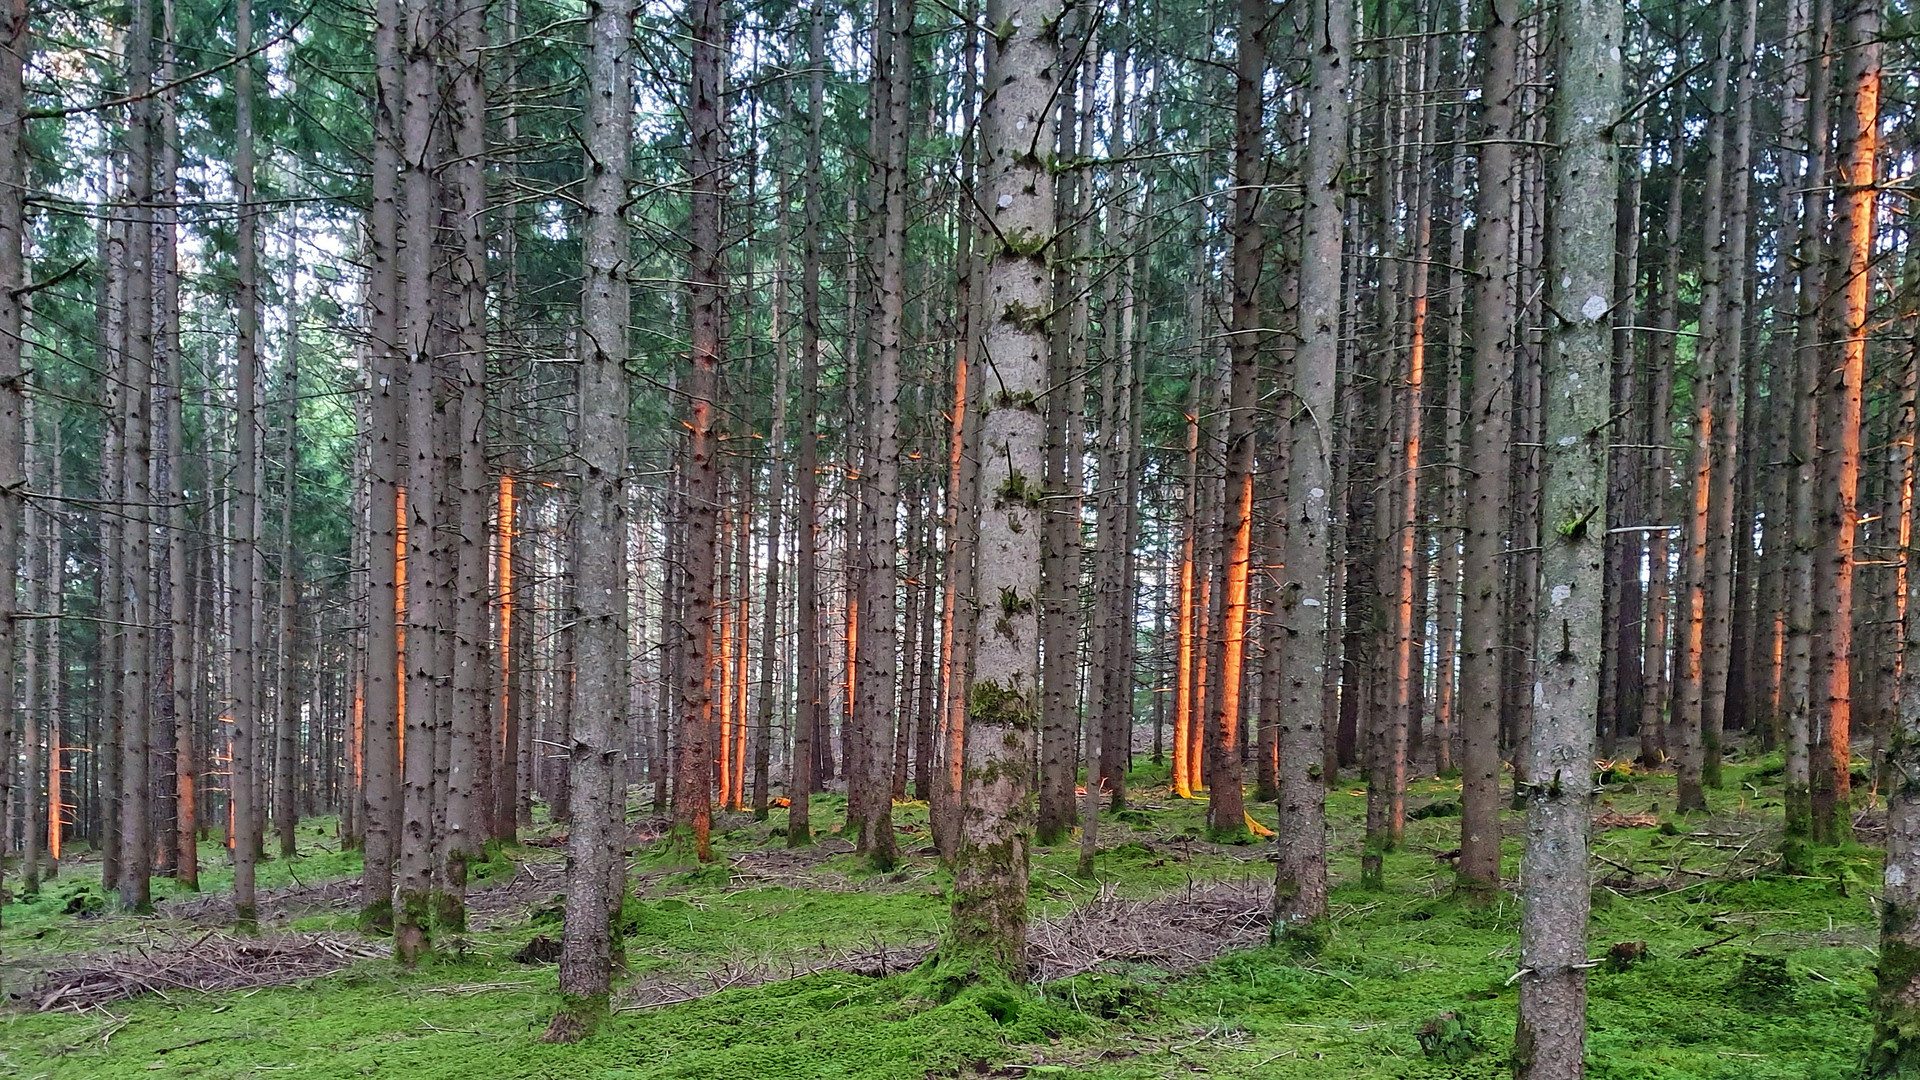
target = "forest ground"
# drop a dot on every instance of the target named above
(774, 964)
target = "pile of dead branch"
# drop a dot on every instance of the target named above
(213, 962)
(216, 909)
(1176, 931)
(873, 961)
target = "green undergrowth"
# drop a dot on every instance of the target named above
(1726, 968)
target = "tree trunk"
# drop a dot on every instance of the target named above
(596, 863)
(244, 576)
(1847, 309)
(286, 814)
(961, 596)
(1483, 560)
(381, 727)
(1226, 810)
(693, 807)
(1306, 614)
(1064, 463)
(15, 44)
(879, 624)
(136, 382)
(812, 697)
(1550, 1040)
(465, 645)
(417, 317)
(987, 937)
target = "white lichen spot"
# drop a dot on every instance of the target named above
(1316, 493)
(1595, 307)
(1896, 875)
(1310, 602)
(1561, 593)
(1568, 440)
(1006, 200)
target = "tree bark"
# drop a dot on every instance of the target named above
(987, 937)
(419, 90)
(1487, 461)
(596, 863)
(1550, 1039)
(693, 806)
(381, 726)
(1847, 303)
(1300, 881)
(1226, 808)
(245, 574)
(286, 814)
(15, 45)
(812, 696)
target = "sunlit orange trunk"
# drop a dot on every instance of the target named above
(356, 754)
(1183, 678)
(741, 636)
(723, 762)
(849, 755)
(1202, 619)
(1839, 472)
(1405, 671)
(55, 809)
(504, 739)
(1186, 767)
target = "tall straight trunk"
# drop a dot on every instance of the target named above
(1489, 426)
(879, 625)
(1777, 590)
(510, 662)
(742, 637)
(15, 44)
(1185, 770)
(1549, 1042)
(1620, 656)
(959, 615)
(1306, 613)
(693, 806)
(987, 937)
(1895, 1048)
(723, 649)
(56, 681)
(286, 814)
(1703, 675)
(1801, 627)
(1657, 686)
(381, 728)
(417, 338)
(466, 647)
(1113, 671)
(811, 704)
(596, 863)
(1848, 306)
(1730, 524)
(34, 572)
(244, 577)
(183, 644)
(1409, 540)
(104, 772)
(1060, 560)
(1448, 596)
(776, 499)
(136, 832)
(1226, 811)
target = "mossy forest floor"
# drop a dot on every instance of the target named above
(1747, 973)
